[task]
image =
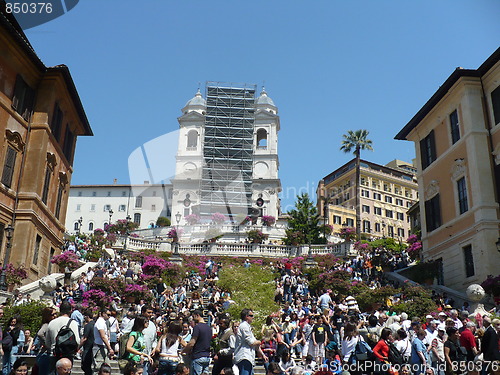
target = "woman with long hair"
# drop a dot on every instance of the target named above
(168, 348)
(135, 350)
(20, 367)
(351, 338)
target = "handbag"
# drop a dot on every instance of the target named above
(362, 351)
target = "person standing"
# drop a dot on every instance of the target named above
(224, 357)
(87, 343)
(199, 345)
(246, 344)
(53, 329)
(102, 349)
(489, 343)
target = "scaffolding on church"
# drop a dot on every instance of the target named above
(226, 184)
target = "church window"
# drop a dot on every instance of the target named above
(262, 139)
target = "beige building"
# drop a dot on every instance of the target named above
(457, 142)
(386, 193)
(41, 117)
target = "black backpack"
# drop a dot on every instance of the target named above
(66, 344)
(7, 342)
(395, 356)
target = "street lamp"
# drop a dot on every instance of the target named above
(128, 218)
(178, 220)
(110, 215)
(383, 229)
(9, 232)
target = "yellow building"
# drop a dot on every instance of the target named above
(457, 142)
(385, 194)
(40, 118)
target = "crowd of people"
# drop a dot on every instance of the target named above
(186, 330)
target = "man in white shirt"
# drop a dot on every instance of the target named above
(53, 329)
(246, 344)
(102, 349)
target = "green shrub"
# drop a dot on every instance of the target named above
(417, 302)
(163, 221)
(250, 288)
(31, 314)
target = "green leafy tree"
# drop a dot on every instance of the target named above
(30, 313)
(303, 225)
(356, 141)
(163, 221)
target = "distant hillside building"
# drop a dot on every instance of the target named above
(457, 143)
(41, 116)
(227, 158)
(386, 194)
(89, 206)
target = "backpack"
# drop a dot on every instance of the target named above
(363, 351)
(395, 356)
(7, 342)
(66, 344)
(123, 345)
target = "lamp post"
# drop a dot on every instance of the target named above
(110, 215)
(9, 232)
(178, 217)
(126, 235)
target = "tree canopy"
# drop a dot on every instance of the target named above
(303, 224)
(355, 141)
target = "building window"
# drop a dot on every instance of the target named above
(455, 128)
(337, 220)
(400, 216)
(261, 139)
(428, 150)
(94, 194)
(366, 226)
(107, 207)
(91, 226)
(49, 266)
(388, 213)
(56, 123)
(79, 193)
(69, 143)
(387, 188)
(388, 199)
(192, 139)
(377, 227)
(78, 207)
(401, 232)
(137, 219)
(463, 205)
(390, 231)
(495, 101)
(377, 210)
(92, 207)
(23, 98)
(469, 261)
(399, 202)
(124, 193)
(109, 194)
(408, 204)
(347, 196)
(76, 226)
(154, 193)
(8, 167)
(121, 208)
(365, 193)
(350, 222)
(46, 185)
(365, 209)
(153, 207)
(138, 202)
(36, 250)
(186, 211)
(432, 213)
(377, 196)
(59, 201)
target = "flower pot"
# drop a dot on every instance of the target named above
(10, 288)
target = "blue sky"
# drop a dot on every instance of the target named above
(329, 66)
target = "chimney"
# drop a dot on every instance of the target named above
(115, 180)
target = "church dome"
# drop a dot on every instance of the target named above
(263, 99)
(197, 103)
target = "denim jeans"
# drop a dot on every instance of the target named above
(200, 365)
(167, 367)
(245, 367)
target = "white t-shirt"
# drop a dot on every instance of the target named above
(100, 324)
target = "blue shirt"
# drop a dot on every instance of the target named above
(418, 346)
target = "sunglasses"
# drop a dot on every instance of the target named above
(250, 315)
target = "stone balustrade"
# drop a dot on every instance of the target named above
(237, 249)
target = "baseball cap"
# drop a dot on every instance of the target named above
(429, 317)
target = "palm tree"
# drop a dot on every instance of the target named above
(358, 141)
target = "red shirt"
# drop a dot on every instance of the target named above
(467, 339)
(381, 350)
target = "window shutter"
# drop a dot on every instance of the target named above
(8, 168)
